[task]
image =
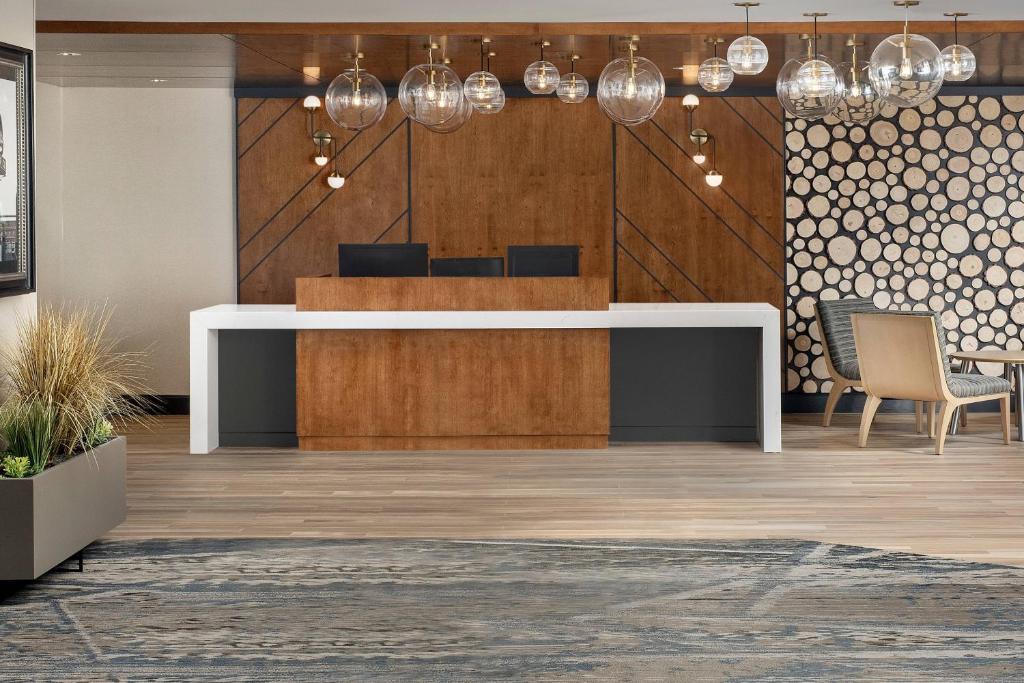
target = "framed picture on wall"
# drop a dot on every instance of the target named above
(17, 260)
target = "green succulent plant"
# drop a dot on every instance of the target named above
(15, 467)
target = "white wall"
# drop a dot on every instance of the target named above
(17, 27)
(147, 206)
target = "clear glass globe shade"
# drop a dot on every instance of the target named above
(355, 104)
(335, 180)
(573, 88)
(460, 118)
(715, 75)
(541, 78)
(816, 78)
(747, 56)
(908, 71)
(800, 104)
(430, 94)
(630, 92)
(492, 107)
(482, 88)
(713, 179)
(959, 62)
(861, 102)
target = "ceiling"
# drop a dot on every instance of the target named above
(292, 61)
(520, 10)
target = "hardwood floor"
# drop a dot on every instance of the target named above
(895, 494)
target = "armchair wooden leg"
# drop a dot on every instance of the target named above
(834, 394)
(1004, 414)
(918, 417)
(948, 407)
(931, 419)
(871, 404)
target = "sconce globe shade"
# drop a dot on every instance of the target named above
(541, 78)
(713, 178)
(630, 91)
(573, 88)
(715, 74)
(747, 56)
(691, 100)
(430, 94)
(907, 70)
(798, 103)
(861, 102)
(311, 103)
(465, 110)
(482, 88)
(959, 62)
(355, 105)
(700, 158)
(335, 180)
(321, 160)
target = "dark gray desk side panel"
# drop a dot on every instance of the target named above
(257, 388)
(684, 384)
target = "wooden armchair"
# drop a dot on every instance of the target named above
(901, 358)
(836, 331)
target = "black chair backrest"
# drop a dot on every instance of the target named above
(467, 267)
(382, 260)
(544, 261)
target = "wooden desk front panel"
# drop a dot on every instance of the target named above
(458, 389)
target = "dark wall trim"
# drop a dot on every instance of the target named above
(167, 404)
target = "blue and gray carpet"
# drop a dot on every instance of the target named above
(298, 610)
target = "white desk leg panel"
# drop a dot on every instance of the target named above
(204, 424)
(771, 385)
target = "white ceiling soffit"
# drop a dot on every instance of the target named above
(518, 11)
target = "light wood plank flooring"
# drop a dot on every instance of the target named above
(896, 494)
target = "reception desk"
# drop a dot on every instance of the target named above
(407, 368)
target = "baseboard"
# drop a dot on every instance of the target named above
(259, 439)
(165, 404)
(854, 403)
(684, 433)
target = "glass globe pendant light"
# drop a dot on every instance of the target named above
(630, 89)
(482, 88)
(907, 68)
(355, 99)
(463, 114)
(791, 95)
(747, 55)
(715, 74)
(816, 76)
(958, 60)
(541, 77)
(861, 101)
(430, 93)
(573, 88)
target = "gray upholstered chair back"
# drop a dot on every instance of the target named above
(837, 330)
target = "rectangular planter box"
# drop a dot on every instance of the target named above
(47, 518)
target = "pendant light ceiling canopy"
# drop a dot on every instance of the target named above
(355, 99)
(431, 93)
(630, 89)
(541, 77)
(747, 55)
(907, 67)
(715, 74)
(958, 60)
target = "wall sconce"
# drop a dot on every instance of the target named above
(714, 178)
(321, 138)
(699, 137)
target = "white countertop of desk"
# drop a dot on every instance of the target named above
(284, 316)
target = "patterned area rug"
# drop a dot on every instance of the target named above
(303, 610)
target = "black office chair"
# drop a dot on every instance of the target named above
(544, 261)
(467, 267)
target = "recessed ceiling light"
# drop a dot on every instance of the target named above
(158, 80)
(69, 54)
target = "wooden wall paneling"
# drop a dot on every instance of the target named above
(452, 294)
(712, 235)
(296, 235)
(452, 383)
(537, 173)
